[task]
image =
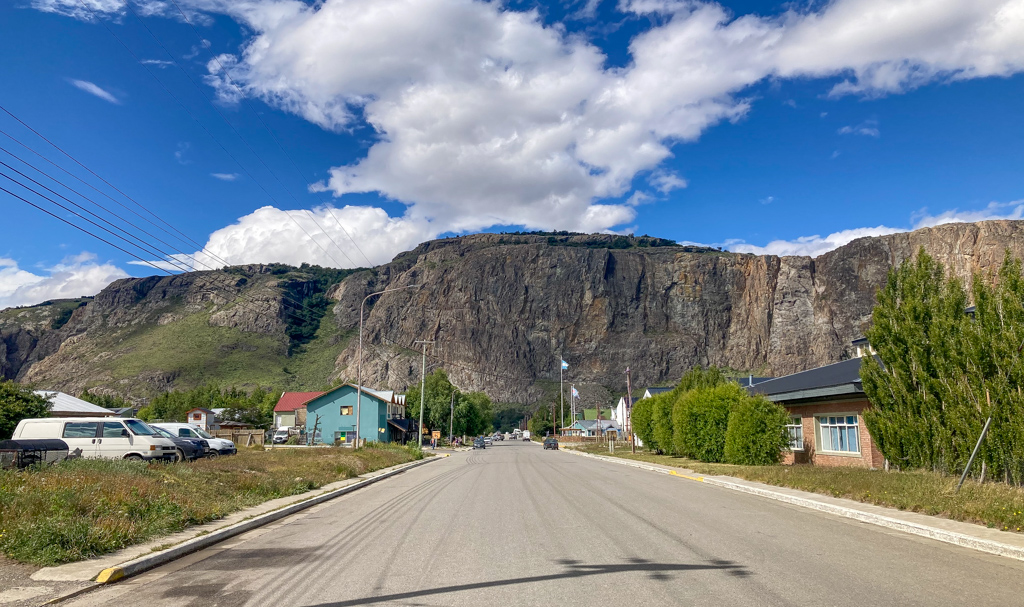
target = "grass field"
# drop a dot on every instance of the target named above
(83, 508)
(995, 505)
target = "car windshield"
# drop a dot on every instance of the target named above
(201, 432)
(163, 432)
(139, 428)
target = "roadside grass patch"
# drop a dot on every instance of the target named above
(79, 509)
(995, 505)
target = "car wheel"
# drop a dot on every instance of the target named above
(179, 456)
(212, 454)
(134, 457)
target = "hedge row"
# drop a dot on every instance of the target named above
(711, 419)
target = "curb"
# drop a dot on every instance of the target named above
(149, 561)
(950, 537)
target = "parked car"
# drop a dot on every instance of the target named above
(102, 437)
(488, 441)
(218, 446)
(189, 449)
(281, 435)
(478, 443)
(526, 435)
(551, 443)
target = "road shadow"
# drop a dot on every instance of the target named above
(572, 569)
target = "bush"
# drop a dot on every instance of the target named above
(701, 419)
(661, 408)
(642, 419)
(756, 435)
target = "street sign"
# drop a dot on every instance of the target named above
(435, 434)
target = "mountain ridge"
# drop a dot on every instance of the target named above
(503, 308)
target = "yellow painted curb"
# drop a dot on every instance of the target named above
(692, 478)
(108, 576)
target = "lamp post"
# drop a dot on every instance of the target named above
(359, 356)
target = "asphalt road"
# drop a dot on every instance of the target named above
(516, 525)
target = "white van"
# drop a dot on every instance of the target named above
(218, 446)
(101, 437)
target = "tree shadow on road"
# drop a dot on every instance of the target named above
(573, 569)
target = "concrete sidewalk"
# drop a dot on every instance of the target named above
(967, 535)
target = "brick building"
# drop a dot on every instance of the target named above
(826, 406)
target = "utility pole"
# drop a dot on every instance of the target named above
(629, 412)
(359, 357)
(423, 386)
(451, 422)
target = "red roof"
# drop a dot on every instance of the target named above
(291, 401)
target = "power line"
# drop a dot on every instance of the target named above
(138, 242)
(77, 227)
(242, 95)
(237, 134)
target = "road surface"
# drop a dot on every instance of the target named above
(517, 525)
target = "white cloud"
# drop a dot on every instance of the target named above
(666, 181)
(767, 200)
(93, 89)
(181, 153)
(270, 235)
(225, 176)
(816, 245)
(487, 117)
(73, 277)
(160, 63)
(868, 128)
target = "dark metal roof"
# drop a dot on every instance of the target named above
(830, 380)
(746, 382)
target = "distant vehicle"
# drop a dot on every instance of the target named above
(498, 436)
(551, 443)
(189, 449)
(526, 435)
(102, 437)
(218, 446)
(488, 441)
(478, 443)
(282, 434)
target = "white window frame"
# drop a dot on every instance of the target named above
(843, 426)
(795, 429)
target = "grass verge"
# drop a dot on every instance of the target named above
(994, 505)
(84, 508)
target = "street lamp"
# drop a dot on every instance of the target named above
(359, 355)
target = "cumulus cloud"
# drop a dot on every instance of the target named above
(93, 89)
(325, 236)
(486, 116)
(73, 277)
(816, 245)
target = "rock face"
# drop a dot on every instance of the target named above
(503, 309)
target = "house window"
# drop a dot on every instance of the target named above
(346, 410)
(197, 416)
(795, 429)
(839, 433)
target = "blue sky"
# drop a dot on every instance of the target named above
(346, 132)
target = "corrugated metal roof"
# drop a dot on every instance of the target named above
(65, 403)
(290, 401)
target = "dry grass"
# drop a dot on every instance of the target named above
(995, 505)
(83, 508)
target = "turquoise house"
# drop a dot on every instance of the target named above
(382, 417)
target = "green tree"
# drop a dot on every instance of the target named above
(18, 402)
(642, 419)
(540, 423)
(104, 400)
(756, 434)
(661, 421)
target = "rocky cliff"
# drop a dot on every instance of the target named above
(501, 309)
